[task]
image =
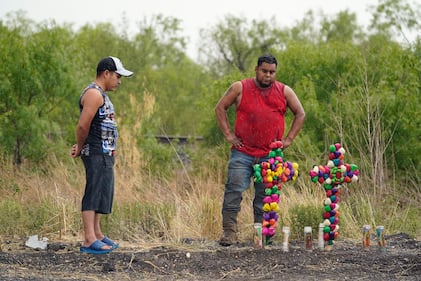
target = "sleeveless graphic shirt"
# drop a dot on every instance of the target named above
(103, 134)
(260, 117)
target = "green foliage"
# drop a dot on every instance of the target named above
(159, 157)
(35, 77)
(409, 222)
(7, 187)
(147, 220)
(239, 42)
(210, 130)
(396, 18)
(305, 215)
(343, 28)
(11, 223)
(29, 218)
(398, 211)
(362, 208)
(178, 93)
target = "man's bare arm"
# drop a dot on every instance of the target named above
(91, 101)
(231, 97)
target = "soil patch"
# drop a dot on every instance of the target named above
(206, 260)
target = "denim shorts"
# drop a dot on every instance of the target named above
(99, 189)
(240, 172)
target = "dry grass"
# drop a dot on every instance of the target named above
(177, 204)
(182, 203)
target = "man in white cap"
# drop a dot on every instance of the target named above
(96, 136)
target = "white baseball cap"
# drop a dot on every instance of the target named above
(113, 64)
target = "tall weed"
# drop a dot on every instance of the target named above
(179, 202)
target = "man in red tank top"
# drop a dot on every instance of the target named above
(261, 103)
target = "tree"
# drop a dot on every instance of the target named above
(167, 73)
(236, 43)
(343, 28)
(35, 74)
(396, 18)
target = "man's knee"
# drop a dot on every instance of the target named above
(232, 201)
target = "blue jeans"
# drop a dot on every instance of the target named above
(240, 172)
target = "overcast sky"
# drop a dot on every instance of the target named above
(194, 14)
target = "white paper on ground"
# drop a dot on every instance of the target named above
(35, 243)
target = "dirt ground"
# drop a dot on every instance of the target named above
(206, 260)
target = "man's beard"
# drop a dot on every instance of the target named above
(264, 85)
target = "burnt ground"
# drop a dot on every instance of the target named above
(206, 260)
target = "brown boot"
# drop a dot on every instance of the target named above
(229, 225)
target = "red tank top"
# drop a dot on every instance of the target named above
(260, 117)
